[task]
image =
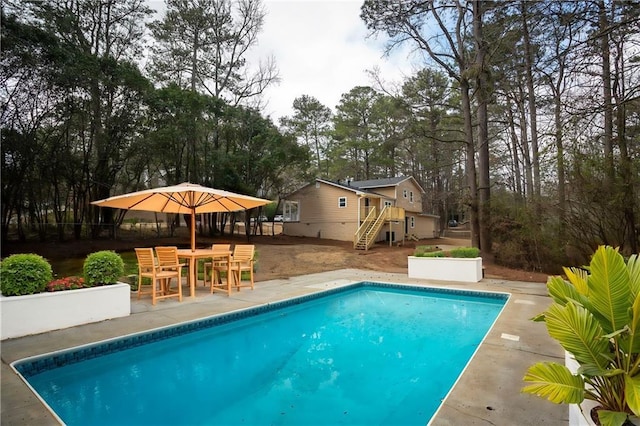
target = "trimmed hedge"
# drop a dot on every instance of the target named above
(430, 254)
(103, 268)
(459, 252)
(465, 252)
(426, 251)
(24, 273)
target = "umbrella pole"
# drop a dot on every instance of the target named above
(193, 229)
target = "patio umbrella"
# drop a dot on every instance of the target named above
(184, 198)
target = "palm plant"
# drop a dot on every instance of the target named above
(595, 316)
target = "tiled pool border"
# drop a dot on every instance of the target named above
(31, 366)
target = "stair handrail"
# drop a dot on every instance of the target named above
(370, 228)
(362, 229)
(373, 230)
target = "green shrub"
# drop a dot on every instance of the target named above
(103, 268)
(421, 250)
(465, 252)
(430, 254)
(24, 273)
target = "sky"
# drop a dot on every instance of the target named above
(321, 50)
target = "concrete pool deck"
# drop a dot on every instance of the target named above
(488, 392)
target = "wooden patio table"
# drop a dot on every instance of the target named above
(194, 255)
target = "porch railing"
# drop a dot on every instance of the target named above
(370, 227)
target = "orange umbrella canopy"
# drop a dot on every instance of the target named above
(186, 198)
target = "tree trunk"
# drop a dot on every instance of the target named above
(606, 86)
(517, 175)
(562, 197)
(533, 113)
(626, 175)
(484, 184)
(470, 163)
(526, 153)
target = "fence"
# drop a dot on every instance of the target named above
(128, 230)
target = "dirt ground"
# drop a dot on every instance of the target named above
(282, 256)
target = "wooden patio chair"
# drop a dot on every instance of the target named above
(168, 258)
(241, 261)
(160, 278)
(209, 266)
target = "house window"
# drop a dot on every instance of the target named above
(291, 211)
(388, 203)
(411, 197)
(404, 193)
(412, 222)
(342, 202)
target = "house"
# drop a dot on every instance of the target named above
(360, 211)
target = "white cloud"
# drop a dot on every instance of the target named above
(321, 50)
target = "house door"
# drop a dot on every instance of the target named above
(366, 208)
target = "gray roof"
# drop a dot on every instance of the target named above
(341, 185)
(377, 183)
(364, 186)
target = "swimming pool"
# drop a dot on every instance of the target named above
(369, 353)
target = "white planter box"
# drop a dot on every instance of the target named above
(580, 415)
(576, 416)
(38, 313)
(446, 268)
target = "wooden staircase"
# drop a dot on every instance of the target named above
(370, 228)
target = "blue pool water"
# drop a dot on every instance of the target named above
(371, 354)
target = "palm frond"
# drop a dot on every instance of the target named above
(612, 418)
(538, 318)
(632, 393)
(577, 330)
(633, 265)
(609, 290)
(563, 292)
(554, 382)
(578, 277)
(591, 370)
(631, 341)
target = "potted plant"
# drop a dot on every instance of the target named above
(595, 316)
(460, 264)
